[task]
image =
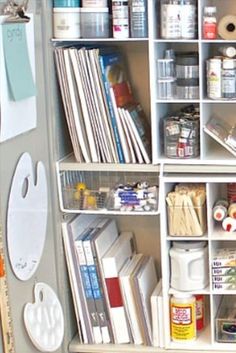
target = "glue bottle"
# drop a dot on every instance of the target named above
(232, 210)
(220, 210)
(183, 317)
(229, 224)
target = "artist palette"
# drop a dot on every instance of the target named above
(44, 319)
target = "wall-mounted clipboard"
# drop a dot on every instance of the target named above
(16, 117)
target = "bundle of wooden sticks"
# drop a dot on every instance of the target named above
(187, 210)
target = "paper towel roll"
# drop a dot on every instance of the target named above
(227, 27)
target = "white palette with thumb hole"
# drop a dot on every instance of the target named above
(44, 320)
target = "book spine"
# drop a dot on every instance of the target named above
(97, 290)
(117, 310)
(111, 110)
(88, 291)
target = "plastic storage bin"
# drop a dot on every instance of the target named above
(94, 22)
(225, 321)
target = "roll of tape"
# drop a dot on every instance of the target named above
(227, 27)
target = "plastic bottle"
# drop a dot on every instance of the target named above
(138, 18)
(183, 317)
(228, 79)
(220, 210)
(120, 19)
(229, 52)
(209, 30)
(232, 210)
(229, 224)
(200, 311)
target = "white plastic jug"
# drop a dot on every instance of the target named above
(189, 265)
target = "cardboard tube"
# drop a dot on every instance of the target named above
(227, 27)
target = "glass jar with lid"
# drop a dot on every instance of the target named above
(178, 19)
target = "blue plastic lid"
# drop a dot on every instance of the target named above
(66, 3)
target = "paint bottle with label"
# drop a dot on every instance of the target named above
(138, 18)
(183, 317)
(120, 19)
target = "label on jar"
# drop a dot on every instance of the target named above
(171, 21)
(188, 21)
(209, 30)
(183, 321)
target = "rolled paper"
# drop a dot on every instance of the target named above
(227, 27)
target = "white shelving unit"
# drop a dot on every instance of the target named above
(216, 238)
(141, 56)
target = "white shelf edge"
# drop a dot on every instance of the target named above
(173, 101)
(193, 238)
(69, 163)
(217, 101)
(89, 40)
(183, 41)
(114, 213)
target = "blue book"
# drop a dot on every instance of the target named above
(113, 76)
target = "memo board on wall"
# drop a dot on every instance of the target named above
(17, 116)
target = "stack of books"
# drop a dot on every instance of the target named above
(104, 121)
(114, 288)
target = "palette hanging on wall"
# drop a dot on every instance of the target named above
(27, 217)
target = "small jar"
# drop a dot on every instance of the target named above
(209, 28)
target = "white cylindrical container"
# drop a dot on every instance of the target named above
(94, 3)
(66, 22)
(120, 19)
(183, 317)
(189, 265)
